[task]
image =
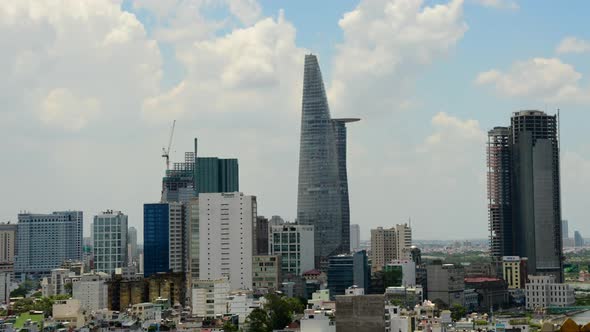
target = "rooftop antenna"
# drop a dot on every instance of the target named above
(166, 151)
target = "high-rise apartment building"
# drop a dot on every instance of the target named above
(390, 244)
(45, 241)
(524, 200)
(164, 242)
(110, 241)
(565, 232)
(226, 235)
(355, 237)
(322, 199)
(295, 245)
(7, 242)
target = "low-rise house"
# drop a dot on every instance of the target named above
(70, 312)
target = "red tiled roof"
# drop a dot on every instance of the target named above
(312, 272)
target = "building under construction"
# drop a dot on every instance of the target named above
(524, 198)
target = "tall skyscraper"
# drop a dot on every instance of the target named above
(355, 237)
(164, 243)
(45, 241)
(226, 236)
(323, 186)
(524, 192)
(499, 151)
(110, 241)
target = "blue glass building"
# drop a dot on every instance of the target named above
(156, 222)
(322, 198)
(347, 270)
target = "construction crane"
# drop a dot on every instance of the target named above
(166, 151)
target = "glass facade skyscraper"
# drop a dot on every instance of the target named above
(164, 242)
(322, 199)
(524, 194)
(216, 175)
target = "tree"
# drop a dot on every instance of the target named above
(295, 305)
(228, 326)
(258, 321)
(457, 312)
(280, 313)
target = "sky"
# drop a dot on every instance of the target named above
(90, 89)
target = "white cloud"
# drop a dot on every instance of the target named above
(386, 44)
(548, 79)
(247, 11)
(72, 54)
(63, 109)
(499, 4)
(573, 45)
(256, 69)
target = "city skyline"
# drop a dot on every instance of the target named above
(232, 77)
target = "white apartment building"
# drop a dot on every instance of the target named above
(210, 297)
(318, 320)
(403, 241)
(226, 236)
(543, 292)
(355, 237)
(92, 291)
(389, 244)
(110, 241)
(295, 245)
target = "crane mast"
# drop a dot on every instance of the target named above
(166, 151)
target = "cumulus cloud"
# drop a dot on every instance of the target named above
(548, 79)
(499, 4)
(386, 44)
(573, 45)
(438, 180)
(247, 11)
(66, 54)
(250, 69)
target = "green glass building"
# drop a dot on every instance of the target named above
(215, 175)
